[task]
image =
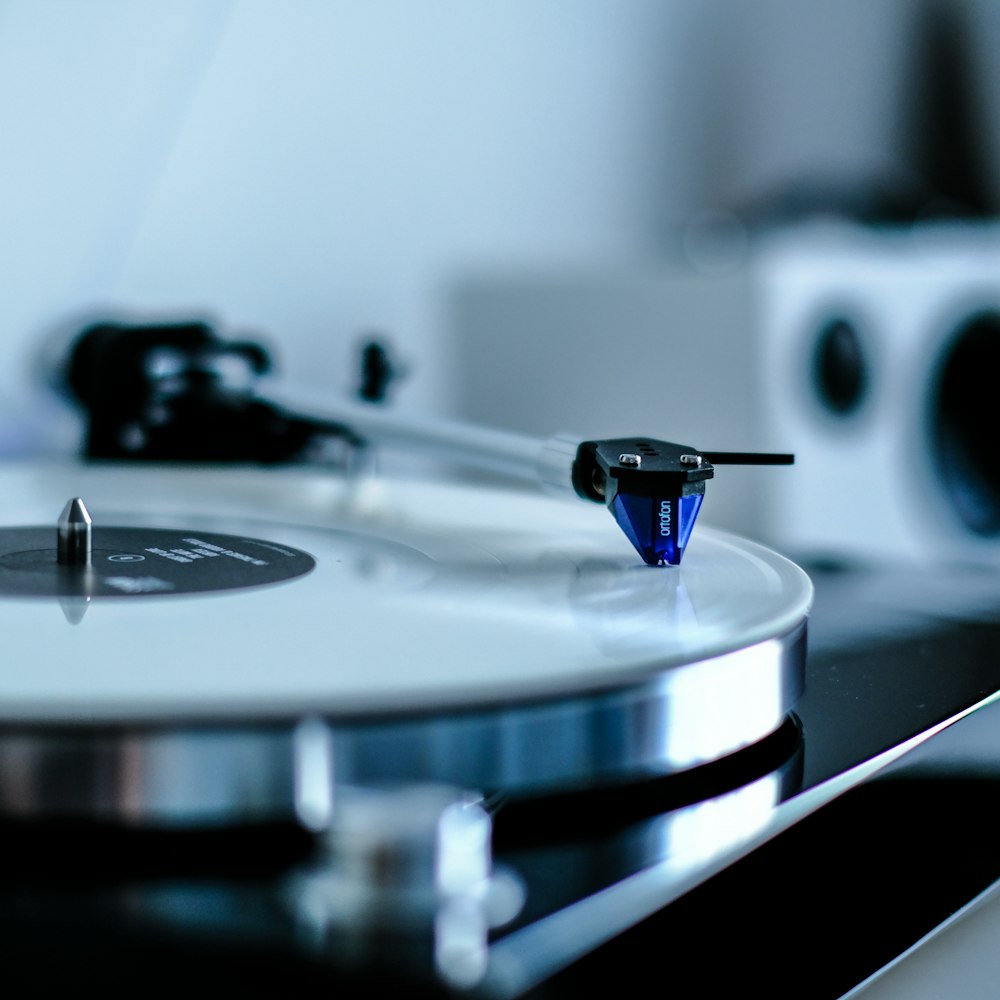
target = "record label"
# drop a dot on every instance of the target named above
(139, 562)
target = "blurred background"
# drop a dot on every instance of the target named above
(737, 225)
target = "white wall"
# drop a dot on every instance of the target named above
(312, 169)
(91, 96)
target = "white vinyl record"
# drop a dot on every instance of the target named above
(421, 597)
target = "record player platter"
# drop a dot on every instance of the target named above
(444, 632)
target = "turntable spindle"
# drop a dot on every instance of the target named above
(75, 531)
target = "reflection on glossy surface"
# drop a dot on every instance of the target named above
(74, 608)
(411, 864)
(314, 778)
(617, 880)
(698, 833)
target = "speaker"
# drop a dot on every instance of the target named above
(869, 353)
(881, 351)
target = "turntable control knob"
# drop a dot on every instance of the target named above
(74, 534)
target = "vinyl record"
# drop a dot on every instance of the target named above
(420, 596)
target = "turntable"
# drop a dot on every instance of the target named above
(266, 728)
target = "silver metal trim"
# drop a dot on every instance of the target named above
(677, 720)
(203, 774)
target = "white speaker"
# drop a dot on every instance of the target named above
(880, 352)
(870, 354)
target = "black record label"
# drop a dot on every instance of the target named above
(139, 562)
